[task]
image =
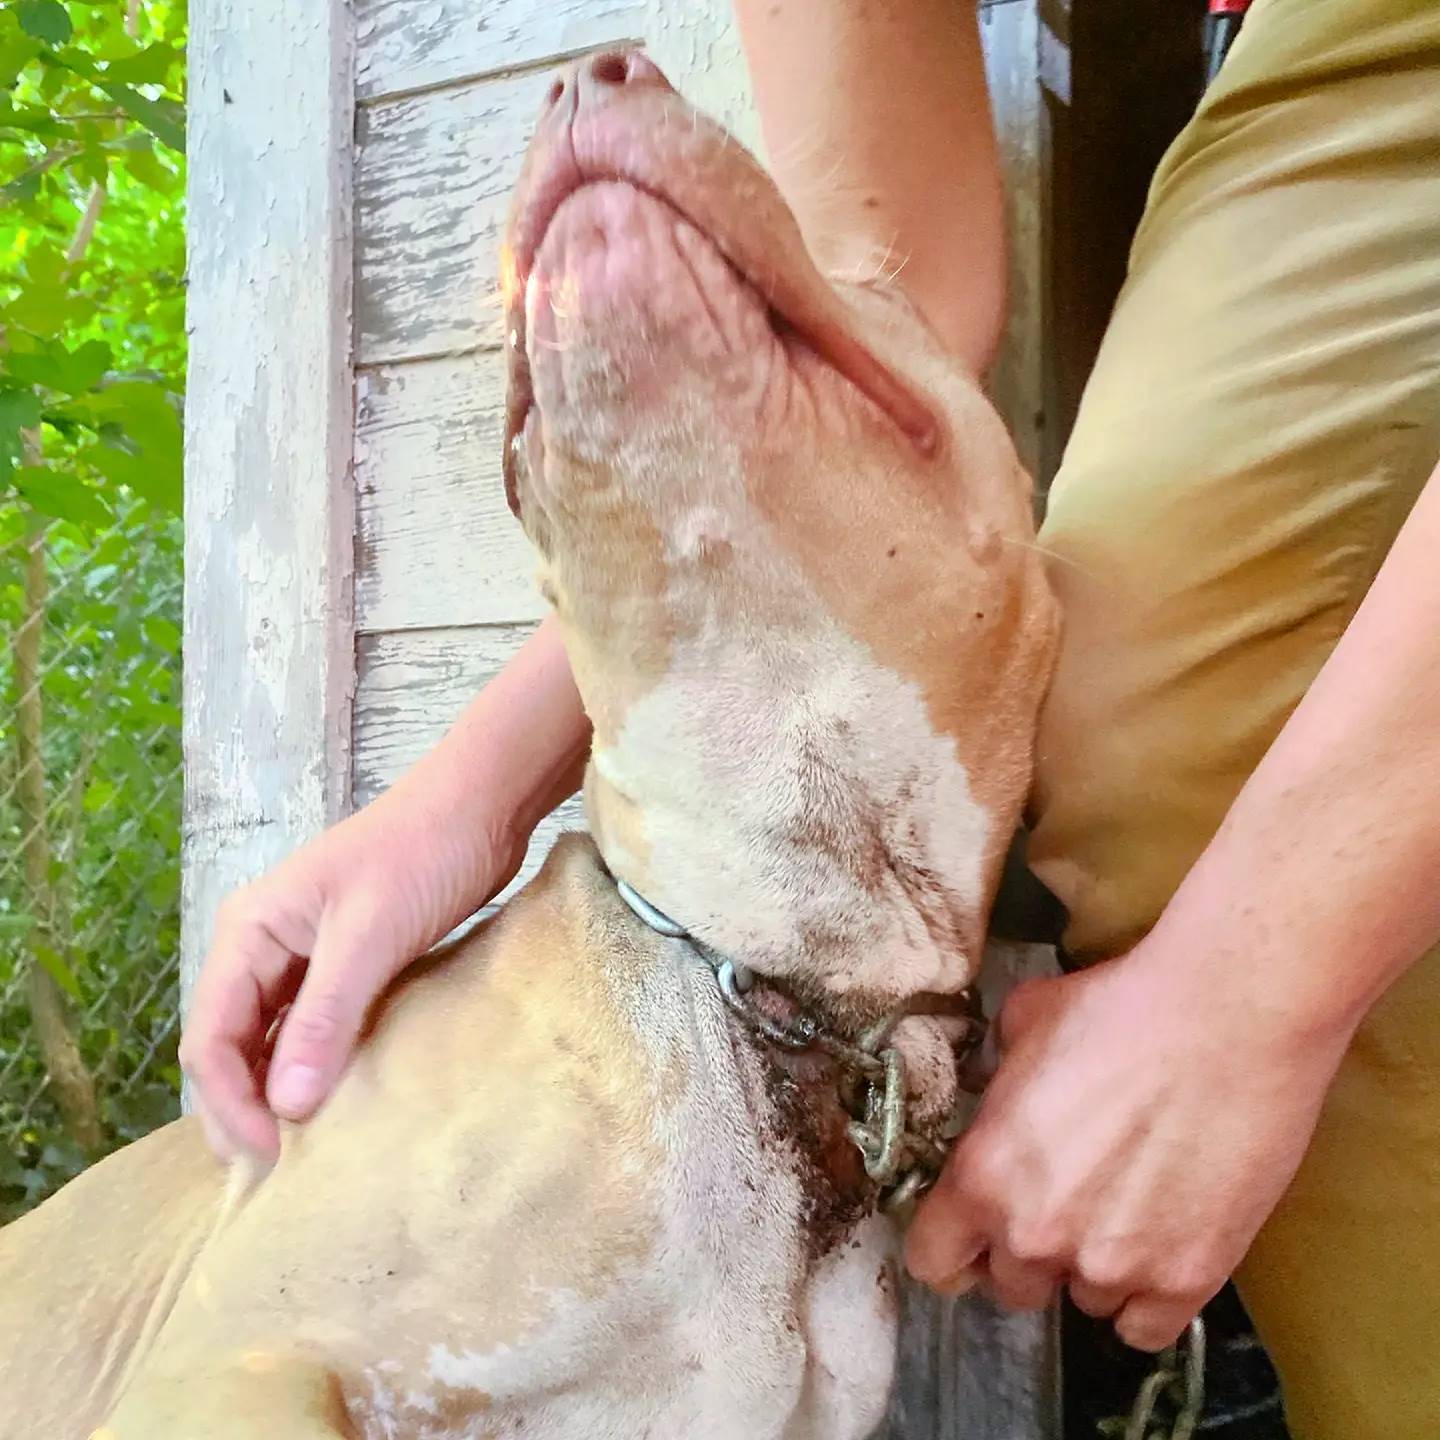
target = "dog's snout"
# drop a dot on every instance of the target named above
(594, 78)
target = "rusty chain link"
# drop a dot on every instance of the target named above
(1180, 1370)
(901, 1161)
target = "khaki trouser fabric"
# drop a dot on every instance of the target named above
(1263, 412)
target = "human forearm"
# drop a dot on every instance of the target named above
(1323, 885)
(515, 753)
(878, 127)
(1148, 1113)
(357, 904)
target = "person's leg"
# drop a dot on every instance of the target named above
(1263, 412)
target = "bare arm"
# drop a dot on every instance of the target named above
(1324, 881)
(1148, 1114)
(878, 127)
(513, 756)
(344, 914)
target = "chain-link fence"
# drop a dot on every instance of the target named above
(89, 841)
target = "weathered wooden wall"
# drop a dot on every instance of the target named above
(354, 575)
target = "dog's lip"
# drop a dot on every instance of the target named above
(807, 305)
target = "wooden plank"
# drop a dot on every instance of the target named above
(268, 423)
(412, 688)
(434, 173)
(966, 1369)
(433, 176)
(402, 46)
(971, 1371)
(406, 47)
(436, 543)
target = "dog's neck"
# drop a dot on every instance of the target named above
(789, 800)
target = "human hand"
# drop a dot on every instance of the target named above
(1137, 1134)
(323, 934)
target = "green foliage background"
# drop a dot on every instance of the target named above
(92, 354)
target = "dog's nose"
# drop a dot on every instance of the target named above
(593, 79)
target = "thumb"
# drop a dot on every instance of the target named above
(349, 966)
(946, 1245)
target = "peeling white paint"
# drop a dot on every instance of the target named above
(269, 514)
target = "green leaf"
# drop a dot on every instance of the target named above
(163, 888)
(64, 1156)
(36, 122)
(76, 59)
(84, 367)
(147, 167)
(164, 633)
(91, 164)
(150, 66)
(59, 971)
(34, 367)
(17, 50)
(23, 190)
(45, 264)
(16, 924)
(46, 20)
(19, 410)
(158, 483)
(158, 117)
(98, 794)
(40, 307)
(52, 492)
(151, 424)
(51, 364)
(46, 304)
(111, 549)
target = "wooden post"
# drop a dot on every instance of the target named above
(269, 648)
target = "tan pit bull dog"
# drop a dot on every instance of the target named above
(568, 1187)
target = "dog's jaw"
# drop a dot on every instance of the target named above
(791, 802)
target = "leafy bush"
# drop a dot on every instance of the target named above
(92, 349)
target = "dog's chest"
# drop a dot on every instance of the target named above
(713, 1365)
(728, 1323)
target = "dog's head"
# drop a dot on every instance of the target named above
(789, 544)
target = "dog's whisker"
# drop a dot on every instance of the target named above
(1051, 555)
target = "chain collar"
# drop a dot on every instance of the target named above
(1179, 1373)
(900, 1160)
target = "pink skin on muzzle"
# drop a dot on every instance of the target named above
(614, 118)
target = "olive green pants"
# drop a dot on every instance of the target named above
(1264, 410)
